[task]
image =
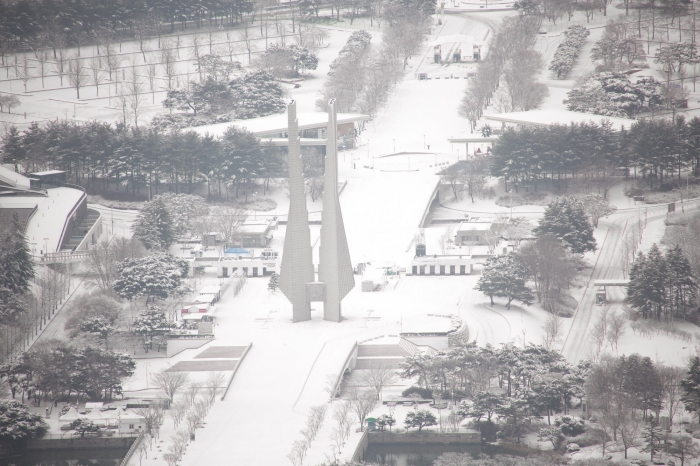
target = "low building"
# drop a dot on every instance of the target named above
(441, 265)
(255, 234)
(312, 129)
(473, 233)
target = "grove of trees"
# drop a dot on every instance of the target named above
(658, 150)
(662, 286)
(507, 76)
(56, 369)
(98, 155)
(547, 266)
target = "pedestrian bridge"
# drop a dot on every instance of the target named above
(615, 282)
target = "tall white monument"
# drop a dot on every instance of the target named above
(334, 266)
(297, 268)
(335, 276)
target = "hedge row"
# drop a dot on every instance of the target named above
(568, 50)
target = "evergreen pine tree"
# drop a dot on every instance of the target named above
(154, 226)
(655, 279)
(566, 219)
(257, 94)
(504, 276)
(13, 151)
(683, 290)
(16, 268)
(635, 288)
(274, 282)
(691, 387)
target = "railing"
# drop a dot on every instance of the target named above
(101, 434)
(132, 449)
(70, 214)
(338, 381)
(359, 452)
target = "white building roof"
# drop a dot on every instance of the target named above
(275, 124)
(474, 226)
(13, 178)
(211, 289)
(45, 227)
(563, 117)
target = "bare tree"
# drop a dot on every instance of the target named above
(474, 176)
(452, 176)
(168, 61)
(671, 379)
(553, 328)
(227, 220)
(24, 72)
(169, 382)
(136, 99)
(616, 328)
(177, 411)
(112, 63)
(76, 74)
(378, 375)
(247, 39)
(152, 75)
(629, 429)
(8, 101)
(96, 75)
(122, 103)
(142, 449)
(42, 60)
(341, 415)
(153, 417)
(193, 389)
(446, 238)
(362, 402)
(215, 380)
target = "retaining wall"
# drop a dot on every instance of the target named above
(424, 438)
(85, 443)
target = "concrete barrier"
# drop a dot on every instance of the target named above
(78, 443)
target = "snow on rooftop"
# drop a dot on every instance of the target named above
(563, 117)
(13, 178)
(275, 124)
(52, 212)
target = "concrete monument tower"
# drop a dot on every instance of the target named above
(335, 277)
(297, 268)
(334, 267)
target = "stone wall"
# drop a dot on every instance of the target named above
(424, 438)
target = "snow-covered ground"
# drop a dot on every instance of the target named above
(390, 178)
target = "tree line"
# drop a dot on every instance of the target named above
(362, 76)
(56, 370)
(658, 150)
(56, 23)
(507, 76)
(96, 155)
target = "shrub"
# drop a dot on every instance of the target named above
(422, 392)
(568, 50)
(570, 426)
